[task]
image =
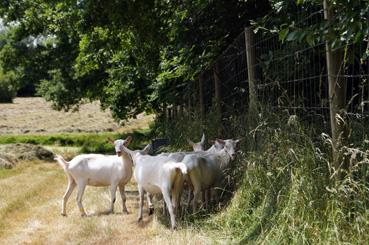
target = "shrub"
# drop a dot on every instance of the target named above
(8, 87)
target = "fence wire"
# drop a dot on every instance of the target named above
(291, 76)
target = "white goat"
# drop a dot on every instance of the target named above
(156, 174)
(198, 146)
(178, 157)
(97, 170)
(207, 170)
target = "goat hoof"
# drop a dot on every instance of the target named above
(151, 211)
(83, 215)
(139, 220)
(64, 214)
(125, 212)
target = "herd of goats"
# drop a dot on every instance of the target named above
(165, 173)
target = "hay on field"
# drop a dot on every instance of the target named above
(6, 162)
(13, 152)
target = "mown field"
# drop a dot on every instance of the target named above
(31, 193)
(35, 116)
(30, 213)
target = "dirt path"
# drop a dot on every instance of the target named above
(30, 214)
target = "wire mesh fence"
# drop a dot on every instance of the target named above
(291, 76)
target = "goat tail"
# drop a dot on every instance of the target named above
(64, 164)
(182, 167)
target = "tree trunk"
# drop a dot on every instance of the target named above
(337, 96)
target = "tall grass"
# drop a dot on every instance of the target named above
(285, 189)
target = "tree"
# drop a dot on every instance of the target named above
(130, 55)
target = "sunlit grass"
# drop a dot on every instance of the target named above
(30, 213)
(21, 167)
(87, 143)
(22, 191)
(6, 173)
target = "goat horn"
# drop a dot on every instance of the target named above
(190, 142)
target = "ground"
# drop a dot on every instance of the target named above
(30, 205)
(31, 193)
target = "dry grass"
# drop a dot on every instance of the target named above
(31, 193)
(30, 214)
(35, 116)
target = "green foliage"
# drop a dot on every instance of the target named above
(55, 89)
(8, 87)
(27, 62)
(106, 51)
(303, 21)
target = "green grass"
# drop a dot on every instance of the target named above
(283, 188)
(87, 142)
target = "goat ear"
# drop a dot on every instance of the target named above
(110, 140)
(202, 139)
(190, 142)
(220, 141)
(128, 140)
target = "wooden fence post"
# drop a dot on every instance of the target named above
(189, 107)
(165, 113)
(337, 95)
(168, 114)
(187, 100)
(201, 97)
(251, 72)
(174, 112)
(217, 95)
(180, 110)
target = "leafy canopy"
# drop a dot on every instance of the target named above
(131, 55)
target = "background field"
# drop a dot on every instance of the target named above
(34, 115)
